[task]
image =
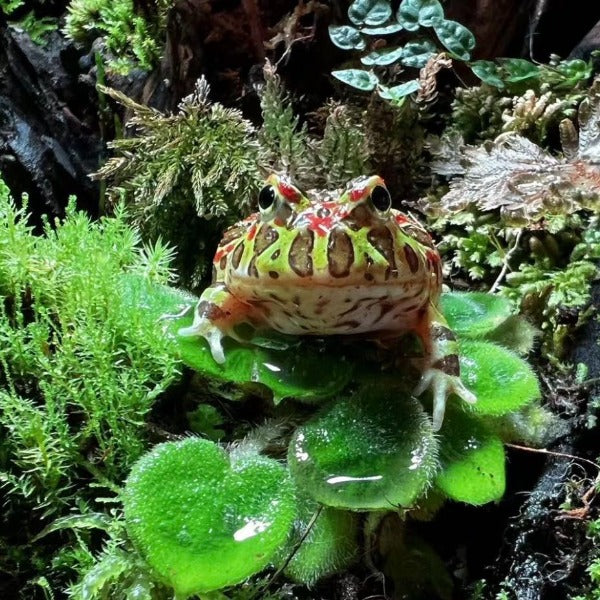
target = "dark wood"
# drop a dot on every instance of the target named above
(49, 139)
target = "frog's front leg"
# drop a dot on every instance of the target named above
(442, 370)
(215, 316)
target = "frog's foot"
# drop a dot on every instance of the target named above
(211, 333)
(442, 385)
(215, 316)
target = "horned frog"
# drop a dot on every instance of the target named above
(333, 265)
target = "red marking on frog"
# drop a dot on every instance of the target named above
(288, 192)
(357, 194)
(322, 224)
(251, 232)
(221, 252)
(432, 256)
(401, 219)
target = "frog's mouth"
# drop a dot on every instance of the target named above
(322, 310)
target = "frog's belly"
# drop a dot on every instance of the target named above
(326, 310)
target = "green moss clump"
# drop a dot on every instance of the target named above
(185, 176)
(131, 39)
(80, 368)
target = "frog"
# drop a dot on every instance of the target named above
(333, 264)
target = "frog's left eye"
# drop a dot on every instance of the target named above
(381, 198)
(266, 198)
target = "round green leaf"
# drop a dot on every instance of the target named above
(489, 72)
(386, 56)
(501, 380)
(369, 12)
(202, 523)
(519, 69)
(516, 333)
(359, 456)
(398, 93)
(415, 13)
(330, 546)
(472, 460)
(302, 371)
(384, 30)
(357, 78)
(154, 299)
(346, 37)
(474, 314)
(416, 54)
(456, 38)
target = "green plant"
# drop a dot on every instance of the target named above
(205, 520)
(131, 39)
(37, 28)
(10, 6)
(524, 221)
(520, 96)
(185, 176)
(285, 146)
(373, 19)
(80, 368)
(332, 456)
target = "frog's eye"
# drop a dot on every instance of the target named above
(381, 199)
(266, 198)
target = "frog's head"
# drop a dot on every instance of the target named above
(352, 238)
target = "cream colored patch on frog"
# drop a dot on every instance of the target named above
(328, 310)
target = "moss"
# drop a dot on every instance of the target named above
(79, 372)
(185, 176)
(131, 39)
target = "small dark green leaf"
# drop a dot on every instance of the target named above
(417, 53)
(571, 72)
(456, 38)
(385, 30)
(346, 37)
(369, 12)
(424, 13)
(488, 72)
(386, 56)
(398, 93)
(519, 69)
(357, 78)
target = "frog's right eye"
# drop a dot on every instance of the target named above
(266, 198)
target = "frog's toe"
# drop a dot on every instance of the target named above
(442, 385)
(213, 335)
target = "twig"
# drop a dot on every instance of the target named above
(505, 263)
(291, 555)
(553, 453)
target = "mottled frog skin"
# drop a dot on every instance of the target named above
(332, 265)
